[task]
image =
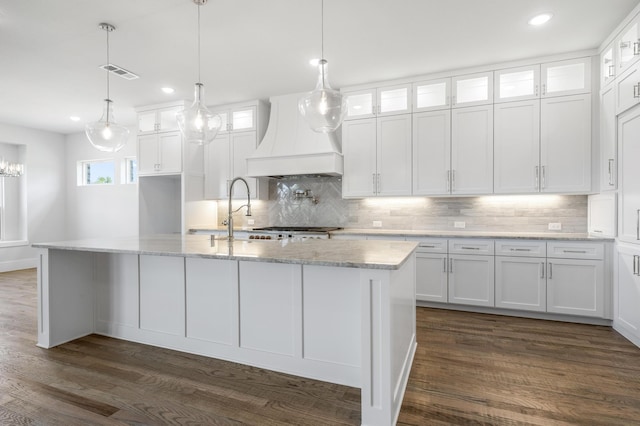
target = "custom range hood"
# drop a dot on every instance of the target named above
(291, 148)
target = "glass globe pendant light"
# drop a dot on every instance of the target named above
(197, 124)
(105, 134)
(324, 108)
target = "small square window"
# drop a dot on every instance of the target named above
(96, 172)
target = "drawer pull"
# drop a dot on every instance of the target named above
(542, 270)
(550, 270)
(469, 248)
(520, 249)
(444, 264)
(635, 264)
(597, 231)
(575, 251)
(428, 246)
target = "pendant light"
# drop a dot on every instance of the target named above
(105, 134)
(324, 108)
(197, 124)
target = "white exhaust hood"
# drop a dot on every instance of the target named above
(290, 147)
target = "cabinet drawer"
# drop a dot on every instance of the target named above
(471, 246)
(521, 248)
(430, 245)
(575, 250)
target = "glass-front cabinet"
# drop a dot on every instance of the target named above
(517, 84)
(378, 102)
(607, 66)
(158, 120)
(432, 95)
(473, 89)
(628, 45)
(237, 120)
(571, 77)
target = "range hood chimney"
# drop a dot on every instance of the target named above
(291, 148)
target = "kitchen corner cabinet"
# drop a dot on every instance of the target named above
(243, 126)
(627, 45)
(377, 156)
(608, 146)
(565, 144)
(160, 153)
(629, 173)
(626, 302)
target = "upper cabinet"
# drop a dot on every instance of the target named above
(517, 84)
(472, 89)
(377, 102)
(627, 87)
(627, 45)
(569, 77)
(162, 119)
(607, 66)
(432, 95)
(241, 118)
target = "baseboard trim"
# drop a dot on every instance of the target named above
(16, 265)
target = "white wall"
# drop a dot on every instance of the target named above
(46, 192)
(99, 210)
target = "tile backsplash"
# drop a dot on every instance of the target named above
(517, 213)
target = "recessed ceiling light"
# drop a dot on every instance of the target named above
(540, 19)
(168, 90)
(314, 62)
(74, 118)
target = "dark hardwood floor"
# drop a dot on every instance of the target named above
(470, 369)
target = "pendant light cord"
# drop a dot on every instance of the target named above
(199, 78)
(108, 30)
(322, 61)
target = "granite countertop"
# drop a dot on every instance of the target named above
(341, 253)
(474, 234)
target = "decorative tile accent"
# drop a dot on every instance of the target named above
(531, 213)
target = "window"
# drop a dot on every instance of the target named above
(100, 172)
(130, 170)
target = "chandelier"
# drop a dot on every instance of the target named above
(8, 169)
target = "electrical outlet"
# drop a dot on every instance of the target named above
(557, 226)
(251, 222)
(377, 224)
(459, 225)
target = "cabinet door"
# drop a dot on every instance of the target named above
(473, 89)
(359, 151)
(360, 104)
(517, 84)
(472, 150)
(628, 45)
(569, 77)
(602, 214)
(431, 152)
(394, 100)
(521, 283)
(629, 153)
(217, 168)
(431, 277)
(471, 280)
(517, 147)
(243, 119)
(170, 152)
(147, 121)
(148, 154)
(167, 120)
(607, 66)
(394, 155)
(608, 157)
(243, 145)
(628, 89)
(565, 144)
(626, 305)
(432, 95)
(575, 287)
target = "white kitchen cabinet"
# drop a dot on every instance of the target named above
(626, 305)
(517, 147)
(627, 45)
(378, 102)
(608, 145)
(629, 173)
(377, 156)
(472, 150)
(431, 277)
(471, 279)
(431, 152)
(575, 278)
(432, 95)
(607, 66)
(565, 144)
(226, 156)
(472, 89)
(521, 283)
(570, 77)
(601, 216)
(627, 87)
(161, 118)
(517, 84)
(159, 153)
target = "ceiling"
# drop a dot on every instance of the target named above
(251, 49)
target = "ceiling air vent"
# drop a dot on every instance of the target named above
(127, 75)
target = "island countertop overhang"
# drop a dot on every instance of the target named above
(342, 253)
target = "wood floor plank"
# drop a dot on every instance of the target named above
(470, 369)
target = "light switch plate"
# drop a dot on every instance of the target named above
(459, 224)
(555, 226)
(251, 222)
(377, 224)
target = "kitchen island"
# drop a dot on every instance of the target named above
(338, 311)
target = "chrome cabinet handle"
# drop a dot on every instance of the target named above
(453, 100)
(637, 224)
(536, 90)
(542, 270)
(379, 182)
(544, 89)
(636, 90)
(544, 177)
(448, 180)
(537, 171)
(636, 48)
(611, 183)
(550, 271)
(469, 248)
(597, 231)
(635, 264)
(451, 266)
(453, 180)
(612, 71)
(373, 181)
(444, 264)
(520, 249)
(575, 251)
(430, 246)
